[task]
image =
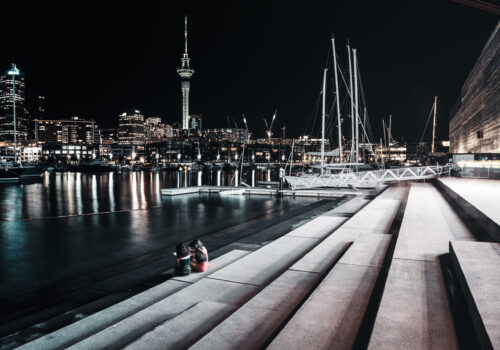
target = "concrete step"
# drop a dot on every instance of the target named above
(96, 322)
(477, 265)
(233, 285)
(177, 333)
(429, 223)
(472, 199)
(414, 312)
(37, 329)
(252, 325)
(332, 315)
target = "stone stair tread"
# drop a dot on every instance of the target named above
(254, 322)
(477, 192)
(97, 322)
(479, 264)
(429, 223)
(183, 330)
(331, 316)
(132, 327)
(414, 311)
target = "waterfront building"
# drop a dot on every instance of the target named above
(37, 106)
(109, 136)
(69, 151)
(131, 128)
(6, 107)
(66, 131)
(185, 73)
(195, 122)
(475, 119)
(156, 131)
(228, 135)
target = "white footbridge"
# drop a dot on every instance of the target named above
(367, 178)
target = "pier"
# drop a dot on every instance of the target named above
(231, 190)
(398, 268)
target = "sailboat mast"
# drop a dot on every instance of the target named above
(389, 136)
(352, 100)
(356, 113)
(338, 100)
(323, 122)
(434, 125)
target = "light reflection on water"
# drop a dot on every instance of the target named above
(68, 193)
(61, 225)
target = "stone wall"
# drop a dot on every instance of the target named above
(475, 126)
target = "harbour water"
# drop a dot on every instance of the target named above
(72, 224)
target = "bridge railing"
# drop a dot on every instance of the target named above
(367, 178)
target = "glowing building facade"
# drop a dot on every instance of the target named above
(131, 128)
(6, 108)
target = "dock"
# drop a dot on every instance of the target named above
(231, 190)
(400, 270)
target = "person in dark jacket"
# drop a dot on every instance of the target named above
(183, 267)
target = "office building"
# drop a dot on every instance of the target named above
(195, 122)
(66, 131)
(131, 128)
(7, 97)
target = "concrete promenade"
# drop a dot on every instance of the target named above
(389, 272)
(481, 193)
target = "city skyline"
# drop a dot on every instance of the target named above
(258, 45)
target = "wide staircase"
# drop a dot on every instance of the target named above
(400, 271)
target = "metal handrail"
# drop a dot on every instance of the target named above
(368, 178)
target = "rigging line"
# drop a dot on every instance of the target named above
(315, 113)
(343, 79)
(361, 84)
(371, 147)
(426, 124)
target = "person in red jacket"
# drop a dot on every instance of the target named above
(199, 256)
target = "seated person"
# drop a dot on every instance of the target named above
(183, 267)
(199, 256)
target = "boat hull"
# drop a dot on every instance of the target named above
(10, 174)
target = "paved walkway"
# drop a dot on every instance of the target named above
(481, 193)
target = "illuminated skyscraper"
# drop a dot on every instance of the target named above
(185, 72)
(131, 128)
(6, 107)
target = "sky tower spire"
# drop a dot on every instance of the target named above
(185, 73)
(185, 36)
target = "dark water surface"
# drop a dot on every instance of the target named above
(71, 224)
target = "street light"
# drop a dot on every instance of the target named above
(13, 72)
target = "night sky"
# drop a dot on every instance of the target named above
(99, 59)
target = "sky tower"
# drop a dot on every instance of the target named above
(185, 72)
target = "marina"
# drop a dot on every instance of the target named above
(250, 175)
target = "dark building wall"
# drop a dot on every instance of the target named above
(475, 123)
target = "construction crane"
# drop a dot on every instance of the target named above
(283, 128)
(481, 5)
(269, 126)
